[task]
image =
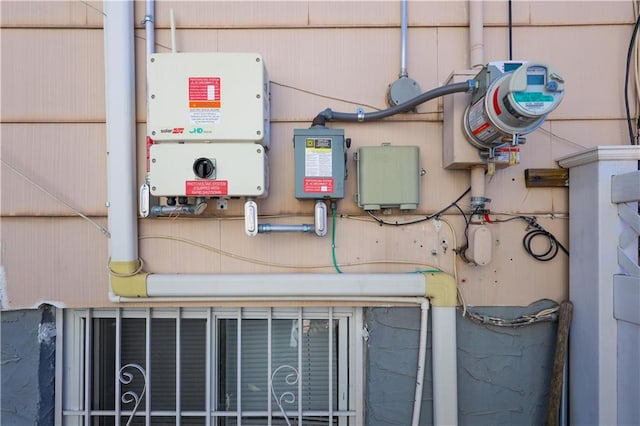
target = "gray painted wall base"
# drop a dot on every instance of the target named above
(503, 373)
(27, 367)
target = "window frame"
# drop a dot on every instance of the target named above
(74, 369)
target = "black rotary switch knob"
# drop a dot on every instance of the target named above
(203, 168)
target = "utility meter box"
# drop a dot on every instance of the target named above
(208, 170)
(208, 97)
(388, 177)
(320, 162)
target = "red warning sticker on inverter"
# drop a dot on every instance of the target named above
(318, 185)
(211, 188)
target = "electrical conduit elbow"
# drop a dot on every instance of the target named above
(441, 289)
(128, 279)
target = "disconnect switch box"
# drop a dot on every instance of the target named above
(388, 177)
(320, 157)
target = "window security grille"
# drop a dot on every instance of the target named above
(211, 366)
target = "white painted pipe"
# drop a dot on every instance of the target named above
(120, 115)
(476, 58)
(476, 33)
(422, 357)
(173, 31)
(478, 185)
(445, 365)
(385, 301)
(285, 285)
(150, 28)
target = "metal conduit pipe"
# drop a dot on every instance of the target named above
(330, 115)
(265, 228)
(403, 55)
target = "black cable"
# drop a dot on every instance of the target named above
(510, 32)
(448, 89)
(423, 219)
(537, 231)
(626, 80)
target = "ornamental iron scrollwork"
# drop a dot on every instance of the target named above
(129, 397)
(287, 397)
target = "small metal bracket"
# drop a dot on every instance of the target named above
(147, 18)
(221, 203)
(360, 112)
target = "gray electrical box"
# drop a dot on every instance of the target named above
(320, 162)
(388, 177)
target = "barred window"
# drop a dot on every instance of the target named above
(211, 366)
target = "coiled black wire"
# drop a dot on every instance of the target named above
(537, 231)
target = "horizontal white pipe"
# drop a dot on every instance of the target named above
(370, 301)
(286, 285)
(445, 365)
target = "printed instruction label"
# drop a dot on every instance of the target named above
(479, 123)
(318, 161)
(536, 102)
(210, 188)
(205, 100)
(323, 185)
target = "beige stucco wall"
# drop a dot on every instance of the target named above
(53, 131)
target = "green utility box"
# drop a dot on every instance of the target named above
(320, 162)
(388, 177)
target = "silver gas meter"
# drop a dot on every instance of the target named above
(511, 103)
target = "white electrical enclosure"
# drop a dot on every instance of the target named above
(208, 170)
(208, 97)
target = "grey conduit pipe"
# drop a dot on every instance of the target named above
(403, 54)
(330, 115)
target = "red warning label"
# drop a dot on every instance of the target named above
(204, 89)
(318, 185)
(211, 188)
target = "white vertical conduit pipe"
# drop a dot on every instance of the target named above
(120, 116)
(476, 58)
(445, 365)
(476, 33)
(422, 356)
(149, 28)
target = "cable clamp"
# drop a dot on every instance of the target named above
(147, 18)
(360, 112)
